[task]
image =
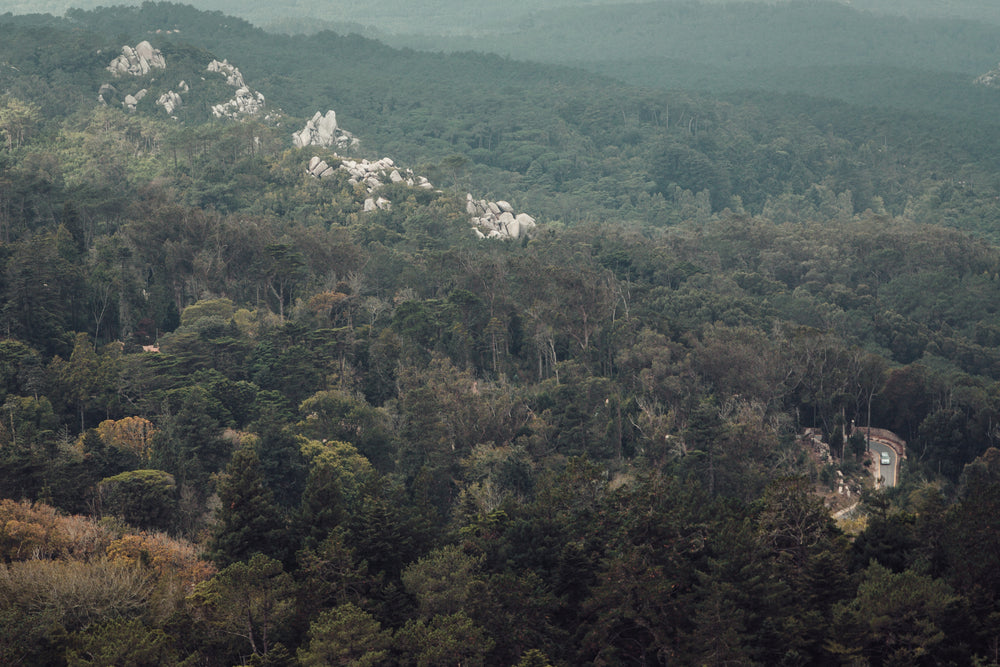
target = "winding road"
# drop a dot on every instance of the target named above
(888, 473)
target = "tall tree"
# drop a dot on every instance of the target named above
(249, 520)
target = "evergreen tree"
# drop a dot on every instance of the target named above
(249, 519)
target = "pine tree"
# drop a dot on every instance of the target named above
(249, 520)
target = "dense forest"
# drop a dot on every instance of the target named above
(245, 419)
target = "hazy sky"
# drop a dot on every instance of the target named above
(460, 17)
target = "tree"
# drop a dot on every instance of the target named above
(87, 381)
(446, 581)
(133, 435)
(443, 640)
(349, 636)
(808, 557)
(281, 461)
(121, 642)
(249, 520)
(143, 498)
(188, 442)
(897, 619)
(250, 601)
(17, 121)
(283, 269)
(334, 488)
(336, 415)
(39, 284)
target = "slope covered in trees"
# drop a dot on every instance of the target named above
(244, 421)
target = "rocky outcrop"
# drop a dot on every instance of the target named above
(373, 175)
(497, 220)
(319, 168)
(246, 102)
(134, 61)
(131, 101)
(991, 79)
(322, 131)
(232, 73)
(377, 204)
(137, 61)
(170, 101)
(493, 220)
(376, 174)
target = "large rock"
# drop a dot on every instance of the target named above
(170, 101)
(497, 219)
(319, 167)
(525, 221)
(232, 73)
(131, 101)
(246, 103)
(326, 128)
(512, 228)
(322, 130)
(137, 61)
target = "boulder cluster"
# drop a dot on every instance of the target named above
(137, 61)
(171, 101)
(131, 101)
(373, 175)
(491, 220)
(232, 73)
(246, 102)
(991, 79)
(322, 131)
(134, 61)
(496, 220)
(319, 168)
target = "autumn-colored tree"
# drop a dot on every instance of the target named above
(170, 558)
(129, 434)
(34, 530)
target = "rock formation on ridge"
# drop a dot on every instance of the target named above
(322, 131)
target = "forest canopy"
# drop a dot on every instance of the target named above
(247, 418)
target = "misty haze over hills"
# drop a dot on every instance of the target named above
(476, 17)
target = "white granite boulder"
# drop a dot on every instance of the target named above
(232, 73)
(137, 61)
(131, 101)
(496, 220)
(245, 103)
(322, 130)
(170, 101)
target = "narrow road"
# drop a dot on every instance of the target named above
(888, 472)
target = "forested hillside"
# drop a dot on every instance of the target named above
(247, 419)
